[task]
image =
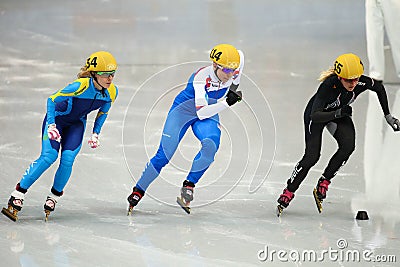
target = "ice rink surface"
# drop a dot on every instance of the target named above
(158, 44)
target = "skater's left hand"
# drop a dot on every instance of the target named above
(94, 141)
(393, 122)
(233, 97)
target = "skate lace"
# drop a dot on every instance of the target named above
(187, 193)
(18, 202)
(136, 196)
(50, 203)
(286, 196)
(323, 187)
(188, 190)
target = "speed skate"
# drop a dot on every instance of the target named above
(318, 201)
(130, 210)
(11, 213)
(279, 210)
(184, 205)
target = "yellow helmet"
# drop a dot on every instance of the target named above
(226, 56)
(101, 61)
(348, 66)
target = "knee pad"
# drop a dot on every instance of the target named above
(49, 156)
(159, 160)
(310, 160)
(216, 139)
(67, 158)
(209, 147)
(347, 150)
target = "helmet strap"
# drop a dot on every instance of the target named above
(215, 72)
(103, 89)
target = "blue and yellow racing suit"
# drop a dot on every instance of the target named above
(68, 109)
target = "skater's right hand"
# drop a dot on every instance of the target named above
(343, 112)
(233, 97)
(53, 133)
(94, 141)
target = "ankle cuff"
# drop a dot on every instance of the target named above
(56, 193)
(20, 189)
(18, 194)
(53, 197)
(188, 183)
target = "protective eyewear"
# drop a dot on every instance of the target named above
(351, 80)
(106, 74)
(226, 70)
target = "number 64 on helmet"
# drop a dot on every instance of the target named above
(101, 61)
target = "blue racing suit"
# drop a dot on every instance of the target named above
(196, 106)
(68, 109)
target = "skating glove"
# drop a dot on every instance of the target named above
(343, 112)
(233, 97)
(393, 122)
(94, 141)
(53, 133)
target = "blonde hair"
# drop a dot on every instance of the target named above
(84, 73)
(326, 74)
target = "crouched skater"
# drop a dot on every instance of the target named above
(64, 126)
(330, 108)
(209, 90)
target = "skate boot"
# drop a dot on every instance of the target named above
(14, 205)
(284, 200)
(134, 198)
(319, 192)
(186, 196)
(51, 201)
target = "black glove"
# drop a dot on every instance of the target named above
(343, 112)
(393, 122)
(233, 97)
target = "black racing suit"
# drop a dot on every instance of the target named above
(320, 113)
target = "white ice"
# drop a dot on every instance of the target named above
(158, 44)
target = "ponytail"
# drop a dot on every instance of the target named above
(84, 73)
(326, 74)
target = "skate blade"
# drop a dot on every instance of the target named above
(47, 213)
(10, 214)
(318, 202)
(130, 210)
(279, 210)
(183, 205)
